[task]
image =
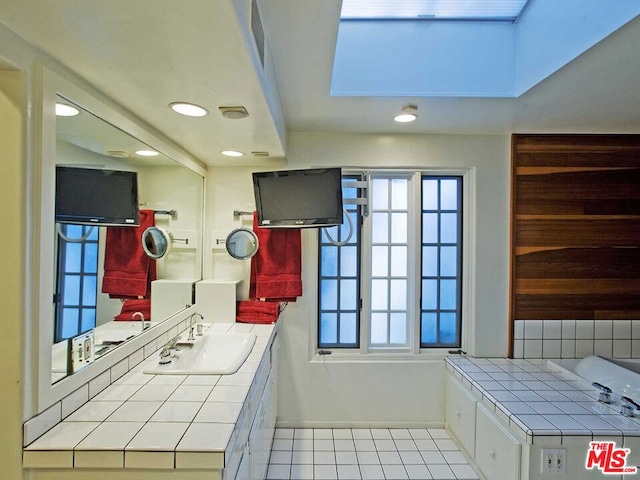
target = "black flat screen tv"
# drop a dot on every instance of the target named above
(299, 198)
(88, 196)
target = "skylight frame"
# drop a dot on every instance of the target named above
(433, 10)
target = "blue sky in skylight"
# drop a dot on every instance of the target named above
(505, 10)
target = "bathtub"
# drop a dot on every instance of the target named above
(621, 376)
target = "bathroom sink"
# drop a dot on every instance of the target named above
(210, 354)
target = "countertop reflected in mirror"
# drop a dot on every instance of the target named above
(164, 186)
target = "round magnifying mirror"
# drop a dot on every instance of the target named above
(242, 243)
(156, 242)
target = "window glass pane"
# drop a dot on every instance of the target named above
(399, 193)
(379, 261)
(398, 328)
(75, 231)
(354, 233)
(333, 231)
(448, 299)
(91, 257)
(71, 290)
(399, 227)
(348, 328)
(348, 294)
(378, 328)
(329, 265)
(344, 229)
(398, 294)
(349, 192)
(448, 327)
(73, 260)
(329, 294)
(328, 328)
(93, 236)
(449, 195)
(380, 194)
(449, 228)
(398, 261)
(89, 290)
(429, 333)
(430, 228)
(380, 227)
(88, 319)
(379, 294)
(448, 261)
(69, 322)
(348, 261)
(429, 294)
(429, 261)
(429, 194)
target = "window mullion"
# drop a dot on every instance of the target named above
(365, 284)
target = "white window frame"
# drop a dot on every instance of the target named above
(414, 353)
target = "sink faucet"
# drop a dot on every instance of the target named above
(191, 338)
(168, 350)
(141, 316)
(605, 392)
(628, 406)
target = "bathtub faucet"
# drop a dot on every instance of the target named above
(605, 392)
(628, 407)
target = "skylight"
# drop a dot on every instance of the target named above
(487, 10)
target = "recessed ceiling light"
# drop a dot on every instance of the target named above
(147, 153)
(189, 109)
(232, 153)
(64, 110)
(234, 113)
(409, 113)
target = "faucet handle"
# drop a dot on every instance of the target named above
(605, 392)
(628, 406)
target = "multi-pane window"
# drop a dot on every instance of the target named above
(396, 284)
(339, 278)
(441, 261)
(75, 301)
(389, 262)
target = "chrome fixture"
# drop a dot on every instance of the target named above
(169, 350)
(605, 392)
(628, 407)
(141, 316)
(191, 338)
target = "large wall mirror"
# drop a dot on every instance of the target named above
(90, 302)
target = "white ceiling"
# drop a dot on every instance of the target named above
(146, 54)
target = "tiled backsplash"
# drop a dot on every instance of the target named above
(576, 338)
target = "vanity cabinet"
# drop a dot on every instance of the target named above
(497, 453)
(497, 450)
(461, 414)
(250, 457)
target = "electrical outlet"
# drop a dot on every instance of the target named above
(554, 460)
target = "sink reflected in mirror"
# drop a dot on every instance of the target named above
(213, 353)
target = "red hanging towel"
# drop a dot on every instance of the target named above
(276, 269)
(128, 270)
(131, 306)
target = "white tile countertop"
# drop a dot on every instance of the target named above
(537, 399)
(155, 421)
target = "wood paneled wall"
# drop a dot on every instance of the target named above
(575, 227)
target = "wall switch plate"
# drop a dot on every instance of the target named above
(553, 460)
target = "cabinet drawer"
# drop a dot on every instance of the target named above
(461, 414)
(497, 450)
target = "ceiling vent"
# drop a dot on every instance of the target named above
(258, 31)
(260, 154)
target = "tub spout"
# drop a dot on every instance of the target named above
(605, 392)
(628, 407)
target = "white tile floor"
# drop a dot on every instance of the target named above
(366, 454)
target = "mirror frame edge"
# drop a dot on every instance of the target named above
(47, 84)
